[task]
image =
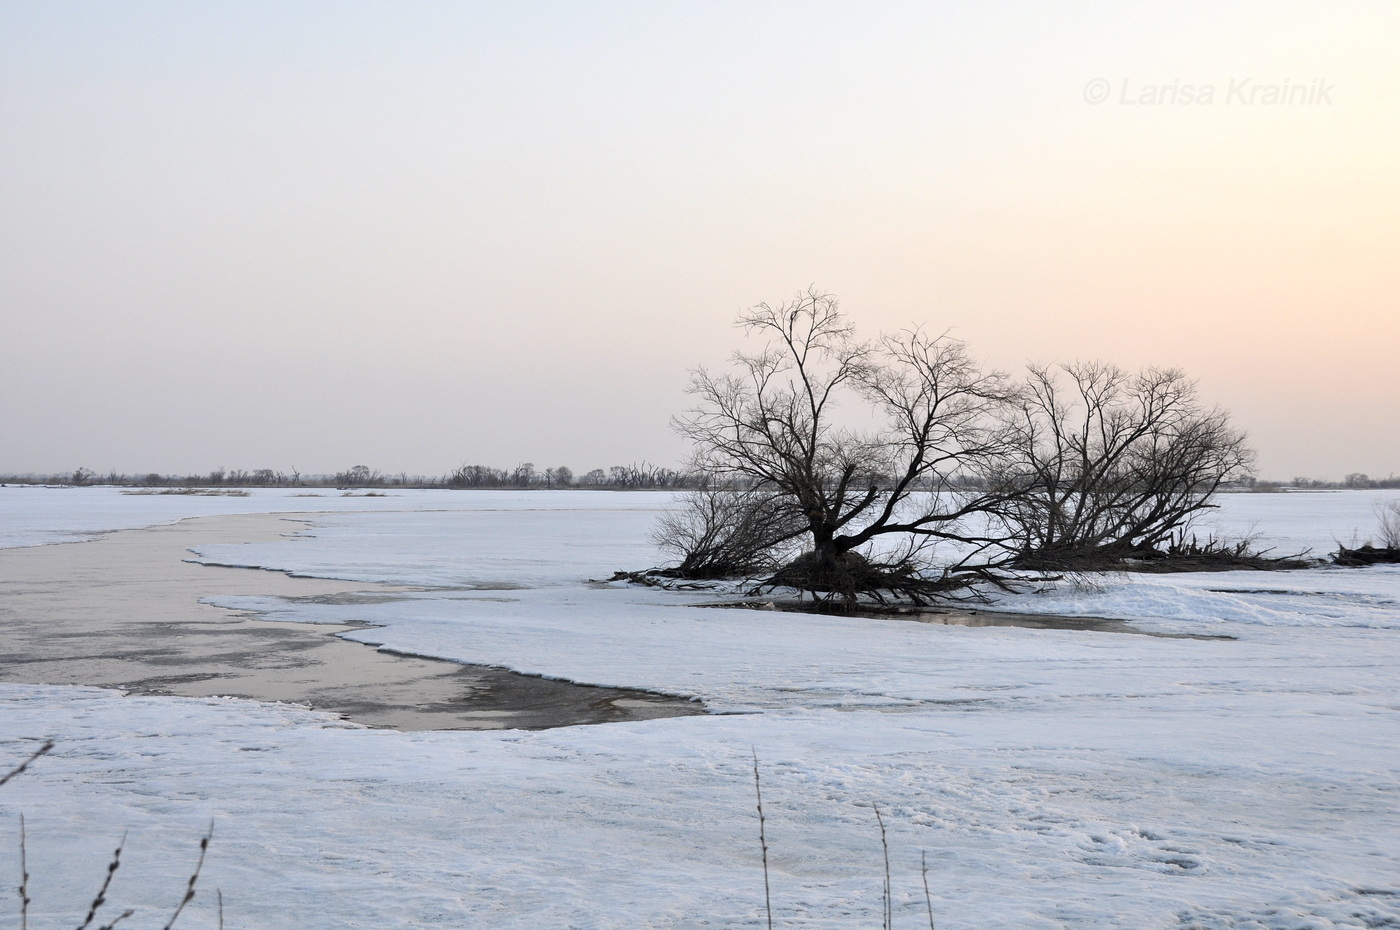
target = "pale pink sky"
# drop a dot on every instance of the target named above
(315, 235)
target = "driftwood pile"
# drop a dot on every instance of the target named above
(1366, 555)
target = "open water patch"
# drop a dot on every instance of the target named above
(375, 686)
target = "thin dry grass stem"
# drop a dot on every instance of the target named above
(23, 879)
(101, 897)
(888, 900)
(928, 898)
(219, 893)
(19, 769)
(198, 867)
(762, 841)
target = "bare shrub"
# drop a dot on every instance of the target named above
(727, 532)
(1389, 516)
(1104, 464)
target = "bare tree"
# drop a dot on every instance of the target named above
(476, 476)
(1102, 464)
(359, 476)
(771, 426)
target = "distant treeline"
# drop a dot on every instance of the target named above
(617, 478)
(525, 475)
(1356, 481)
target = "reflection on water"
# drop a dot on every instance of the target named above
(968, 617)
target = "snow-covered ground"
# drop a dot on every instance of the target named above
(1051, 778)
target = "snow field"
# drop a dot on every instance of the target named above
(1055, 779)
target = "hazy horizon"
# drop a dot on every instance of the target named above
(318, 235)
(241, 475)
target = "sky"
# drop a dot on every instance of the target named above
(306, 236)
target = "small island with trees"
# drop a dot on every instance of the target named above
(899, 470)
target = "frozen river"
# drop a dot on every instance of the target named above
(1052, 778)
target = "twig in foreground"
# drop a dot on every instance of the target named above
(889, 892)
(928, 898)
(101, 897)
(19, 769)
(23, 880)
(762, 841)
(120, 917)
(198, 866)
